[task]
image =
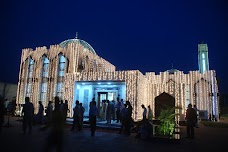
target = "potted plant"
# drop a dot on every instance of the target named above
(166, 124)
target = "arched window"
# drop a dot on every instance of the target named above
(29, 78)
(44, 76)
(61, 73)
(61, 68)
(45, 67)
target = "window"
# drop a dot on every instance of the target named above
(45, 67)
(29, 78)
(44, 75)
(61, 73)
(61, 68)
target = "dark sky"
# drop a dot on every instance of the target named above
(148, 35)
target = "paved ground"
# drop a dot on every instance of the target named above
(206, 139)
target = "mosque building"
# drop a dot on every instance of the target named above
(73, 71)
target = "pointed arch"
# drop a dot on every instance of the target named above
(171, 86)
(29, 76)
(44, 79)
(170, 81)
(162, 102)
(62, 69)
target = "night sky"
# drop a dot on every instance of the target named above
(148, 35)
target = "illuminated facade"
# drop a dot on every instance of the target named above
(73, 71)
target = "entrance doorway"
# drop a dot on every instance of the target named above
(85, 91)
(101, 96)
(162, 102)
(105, 96)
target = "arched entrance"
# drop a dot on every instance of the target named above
(162, 102)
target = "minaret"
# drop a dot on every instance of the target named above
(76, 36)
(203, 59)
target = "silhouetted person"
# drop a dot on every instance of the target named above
(128, 118)
(82, 111)
(14, 104)
(93, 111)
(40, 114)
(49, 112)
(2, 109)
(65, 109)
(112, 104)
(190, 121)
(28, 113)
(103, 110)
(108, 112)
(144, 112)
(76, 117)
(150, 113)
(56, 126)
(118, 111)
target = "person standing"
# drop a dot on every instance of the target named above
(144, 111)
(14, 104)
(118, 111)
(40, 114)
(150, 113)
(128, 118)
(65, 109)
(113, 115)
(76, 117)
(49, 112)
(82, 110)
(108, 112)
(190, 121)
(93, 111)
(103, 110)
(28, 113)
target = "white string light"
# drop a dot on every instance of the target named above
(140, 89)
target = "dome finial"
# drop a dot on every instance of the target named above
(76, 36)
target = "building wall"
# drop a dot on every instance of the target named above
(74, 53)
(196, 88)
(130, 77)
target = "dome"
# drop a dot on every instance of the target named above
(172, 71)
(76, 40)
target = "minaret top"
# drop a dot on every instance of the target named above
(76, 36)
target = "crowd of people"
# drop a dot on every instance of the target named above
(119, 111)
